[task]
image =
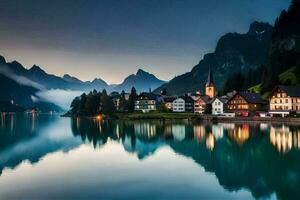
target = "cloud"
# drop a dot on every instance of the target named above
(19, 79)
(59, 97)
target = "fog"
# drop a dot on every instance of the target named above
(19, 79)
(62, 98)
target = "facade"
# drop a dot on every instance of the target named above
(284, 99)
(189, 104)
(200, 104)
(178, 105)
(146, 102)
(210, 89)
(183, 104)
(218, 105)
(243, 103)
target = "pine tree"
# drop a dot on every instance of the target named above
(131, 100)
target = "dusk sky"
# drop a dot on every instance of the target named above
(112, 39)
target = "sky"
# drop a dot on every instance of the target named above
(111, 39)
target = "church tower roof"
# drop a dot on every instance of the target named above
(210, 79)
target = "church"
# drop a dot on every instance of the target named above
(210, 88)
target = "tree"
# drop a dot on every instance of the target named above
(131, 100)
(107, 105)
(208, 109)
(82, 104)
(75, 105)
(164, 92)
(162, 108)
(123, 102)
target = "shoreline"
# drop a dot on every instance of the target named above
(194, 117)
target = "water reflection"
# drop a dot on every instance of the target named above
(284, 138)
(263, 158)
(240, 155)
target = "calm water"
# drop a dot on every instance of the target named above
(48, 157)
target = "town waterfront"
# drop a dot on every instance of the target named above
(49, 157)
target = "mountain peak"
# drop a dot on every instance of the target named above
(2, 59)
(259, 28)
(141, 72)
(36, 68)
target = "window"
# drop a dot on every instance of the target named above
(286, 100)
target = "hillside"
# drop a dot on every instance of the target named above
(285, 48)
(234, 52)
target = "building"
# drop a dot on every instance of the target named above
(189, 104)
(168, 101)
(219, 105)
(284, 99)
(178, 105)
(146, 102)
(244, 103)
(183, 104)
(200, 104)
(210, 89)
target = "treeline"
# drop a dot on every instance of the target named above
(101, 103)
(242, 81)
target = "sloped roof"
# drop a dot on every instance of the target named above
(222, 99)
(150, 96)
(292, 91)
(169, 99)
(252, 98)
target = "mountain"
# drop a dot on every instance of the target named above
(234, 52)
(142, 81)
(285, 47)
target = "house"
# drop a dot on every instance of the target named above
(146, 102)
(210, 89)
(244, 103)
(178, 105)
(168, 101)
(284, 99)
(219, 105)
(200, 104)
(183, 104)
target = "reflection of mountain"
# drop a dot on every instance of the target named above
(256, 163)
(241, 156)
(31, 139)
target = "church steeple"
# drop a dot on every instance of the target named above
(210, 89)
(210, 79)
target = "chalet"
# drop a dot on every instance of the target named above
(178, 105)
(200, 104)
(284, 99)
(183, 104)
(146, 102)
(244, 103)
(219, 105)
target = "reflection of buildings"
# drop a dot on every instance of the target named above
(239, 134)
(210, 141)
(178, 132)
(218, 131)
(199, 132)
(283, 139)
(145, 129)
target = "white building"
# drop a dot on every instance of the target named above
(218, 105)
(179, 105)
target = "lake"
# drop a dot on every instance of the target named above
(49, 157)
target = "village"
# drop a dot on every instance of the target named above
(282, 101)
